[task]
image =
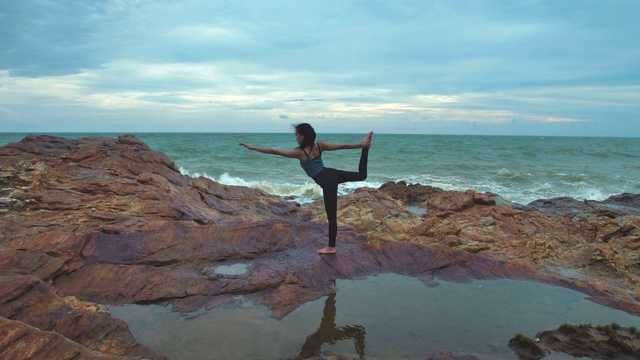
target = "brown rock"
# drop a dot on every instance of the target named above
(21, 341)
(594, 243)
(34, 304)
(452, 201)
(411, 194)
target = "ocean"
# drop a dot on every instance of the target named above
(521, 169)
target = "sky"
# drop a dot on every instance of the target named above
(503, 67)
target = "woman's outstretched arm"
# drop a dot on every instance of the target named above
(294, 154)
(366, 143)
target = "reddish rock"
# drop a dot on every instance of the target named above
(38, 313)
(78, 209)
(21, 341)
(410, 194)
(595, 242)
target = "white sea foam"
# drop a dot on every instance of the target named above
(589, 193)
(304, 193)
(348, 188)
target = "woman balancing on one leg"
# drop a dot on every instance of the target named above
(310, 155)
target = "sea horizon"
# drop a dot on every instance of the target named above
(27, 133)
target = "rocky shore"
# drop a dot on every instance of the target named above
(581, 341)
(96, 221)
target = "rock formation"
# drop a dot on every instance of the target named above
(589, 246)
(582, 341)
(96, 221)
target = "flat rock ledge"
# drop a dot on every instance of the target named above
(99, 221)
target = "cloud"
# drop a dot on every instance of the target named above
(462, 62)
(562, 120)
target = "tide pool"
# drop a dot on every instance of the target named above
(388, 316)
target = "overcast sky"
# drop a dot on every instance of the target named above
(557, 67)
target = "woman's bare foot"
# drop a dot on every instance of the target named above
(367, 140)
(327, 250)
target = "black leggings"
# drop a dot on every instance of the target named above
(329, 179)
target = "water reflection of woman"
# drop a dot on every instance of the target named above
(329, 333)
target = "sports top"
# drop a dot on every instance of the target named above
(312, 166)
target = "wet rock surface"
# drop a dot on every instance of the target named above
(96, 221)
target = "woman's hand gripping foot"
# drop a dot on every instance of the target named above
(366, 143)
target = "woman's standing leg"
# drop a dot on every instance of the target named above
(328, 181)
(331, 207)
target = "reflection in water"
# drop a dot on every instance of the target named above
(329, 333)
(403, 318)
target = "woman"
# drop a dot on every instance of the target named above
(310, 155)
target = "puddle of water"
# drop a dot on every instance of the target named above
(235, 269)
(417, 210)
(383, 317)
